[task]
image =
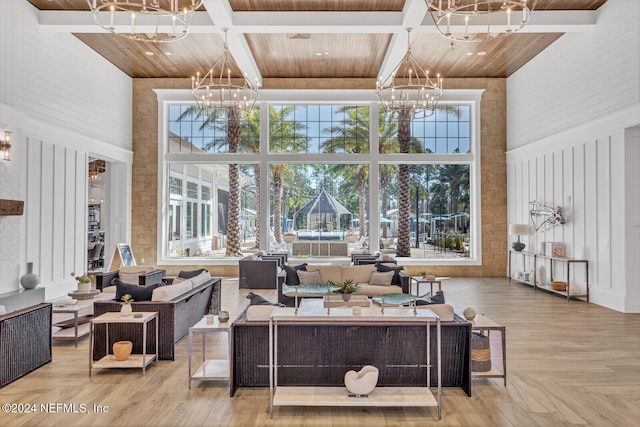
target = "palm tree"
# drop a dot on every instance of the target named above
(457, 178)
(352, 136)
(403, 245)
(292, 140)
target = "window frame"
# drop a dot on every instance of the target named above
(471, 97)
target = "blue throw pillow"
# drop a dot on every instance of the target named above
(137, 292)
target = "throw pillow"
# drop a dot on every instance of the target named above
(306, 277)
(381, 279)
(292, 273)
(396, 276)
(139, 293)
(201, 278)
(258, 300)
(188, 274)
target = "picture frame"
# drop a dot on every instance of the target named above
(126, 254)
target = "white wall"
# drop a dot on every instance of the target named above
(570, 112)
(578, 78)
(64, 102)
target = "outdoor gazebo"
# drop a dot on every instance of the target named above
(323, 213)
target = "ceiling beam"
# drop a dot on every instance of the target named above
(543, 21)
(223, 17)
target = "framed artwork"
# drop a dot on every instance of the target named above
(126, 254)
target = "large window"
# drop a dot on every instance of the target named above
(323, 176)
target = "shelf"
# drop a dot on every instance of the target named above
(339, 396)
(493, 373)
(212, 369)
(69, 333)
(134, 361)
(563, 293)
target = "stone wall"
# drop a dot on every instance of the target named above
(493, 162)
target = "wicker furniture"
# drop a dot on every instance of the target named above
(340, 273)
(25, 341)
(104, 279)
(263, 273)
(397, 347)
(174, 319)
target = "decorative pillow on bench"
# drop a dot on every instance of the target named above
(167, 293)
(306, 277)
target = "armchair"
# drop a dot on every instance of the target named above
(142, 275)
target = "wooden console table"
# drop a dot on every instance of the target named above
(338, 396)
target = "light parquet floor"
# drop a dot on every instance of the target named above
(568, 364)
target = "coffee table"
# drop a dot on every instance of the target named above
(78, 326)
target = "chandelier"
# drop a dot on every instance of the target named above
(409, 87)
(217, 91)
(479, 20)
(157, 21)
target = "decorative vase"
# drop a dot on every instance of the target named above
(30, 280)
(288, 238)
(469, 313)
(352, 238)
(84, 288)
(541, 276)
(126, 310)
(346, 297)
(122, 349)
(363, 382)
(223, 316)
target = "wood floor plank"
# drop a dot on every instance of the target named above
(568, 364)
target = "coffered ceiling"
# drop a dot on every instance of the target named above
(319, 38)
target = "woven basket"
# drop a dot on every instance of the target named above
(559, 286)
(480, 353)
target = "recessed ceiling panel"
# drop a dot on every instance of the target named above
(499, 57)
(320, 55)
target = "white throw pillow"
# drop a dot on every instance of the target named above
(200, 278)
(381, 279)
(306, 277)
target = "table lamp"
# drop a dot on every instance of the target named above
(518, 230)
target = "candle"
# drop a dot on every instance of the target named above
(448, 23)
(193, 82)
(173, 25)
(466, 26)
(112, 16)
(508, 18)
(133, 23)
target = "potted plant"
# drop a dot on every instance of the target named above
(289, 236)
(126, 309)
(352, 236)
(84, 283)
(345, 288)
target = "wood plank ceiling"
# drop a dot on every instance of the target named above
(323, 50)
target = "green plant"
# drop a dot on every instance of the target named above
(127, 298)
(346, 287)
(84, 278)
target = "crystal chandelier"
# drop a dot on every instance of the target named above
(148, 20)
(478, 20)
(217, 91)
(409, 87)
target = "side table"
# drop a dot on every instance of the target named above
(134, 360)
(211, 369)
(482, 323)
(418, 280)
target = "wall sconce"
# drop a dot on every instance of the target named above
(5, 146)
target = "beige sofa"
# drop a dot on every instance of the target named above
(360, 274)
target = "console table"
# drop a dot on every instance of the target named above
(373, 318)
(211, 369)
